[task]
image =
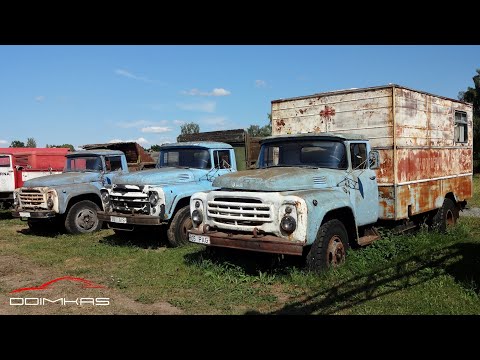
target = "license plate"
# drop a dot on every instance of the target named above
(117, 219)
(24, 214)
(199, 239)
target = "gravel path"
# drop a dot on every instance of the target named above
(472, 212)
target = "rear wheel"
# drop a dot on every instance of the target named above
(82, 218)
(177, 232)
(446, 216)
(329, 248)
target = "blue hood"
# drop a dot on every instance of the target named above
(161, 176)
(68, 178)
(280, 179)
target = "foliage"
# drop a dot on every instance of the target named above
(189, 128)
(256, 130)
(472, 95)
(155, 147)
(31, 143)
(17, 144)
(70, 146)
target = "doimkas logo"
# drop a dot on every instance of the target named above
(41, 301)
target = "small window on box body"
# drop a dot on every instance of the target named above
(461, 128)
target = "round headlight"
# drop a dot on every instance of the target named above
(16, 200)
(197, 217)
(197, 204)
(50, 203)
(153, 198)
(288, 224)
(105, 197)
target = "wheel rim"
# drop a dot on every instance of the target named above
(184, 227)
(335, 251)
(86, 219)
(450, 218)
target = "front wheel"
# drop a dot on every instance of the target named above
(82, 218)
(445, 217)
(177, 233)
(329, 248)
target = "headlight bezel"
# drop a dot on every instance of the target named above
(197, 217)
(288, 224)
(153, 198)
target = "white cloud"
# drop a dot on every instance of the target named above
(3, 142)
(260, 83)
(208, 106)
(140, 140)
(156, 129)
(216, 123)
(40, 98)
(128, 74)
(178, 122)
(214, 92)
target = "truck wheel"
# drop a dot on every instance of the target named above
(177, 232)
(445, 217)
(329, 248)
(82, 218)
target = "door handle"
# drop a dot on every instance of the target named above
(373, 177)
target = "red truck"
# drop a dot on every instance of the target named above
(20, 164)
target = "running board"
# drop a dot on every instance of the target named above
(370, 236)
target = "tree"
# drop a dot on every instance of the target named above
(472, 95)
(17, 144)
(70, 146)
(256, 130)
(31, 143)
(189, 128)
(155, 148)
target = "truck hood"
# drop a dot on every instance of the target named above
(280, 179)
(63, 179)
(161, 176)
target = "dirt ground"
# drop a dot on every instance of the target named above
(16, 273)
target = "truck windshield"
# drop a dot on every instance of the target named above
(83, 163)
(4, 161)
(303, 153)
(185, 157)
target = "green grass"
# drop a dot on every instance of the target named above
(475, 200)
(422, 273)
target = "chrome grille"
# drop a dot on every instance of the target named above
(32, 199)
(129, 201)
(239, 211)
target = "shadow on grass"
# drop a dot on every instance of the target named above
(461, 261)
(5, 215)
(43, 231)
(249, 261)
(143, 239)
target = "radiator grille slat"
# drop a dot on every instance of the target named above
(235, 211)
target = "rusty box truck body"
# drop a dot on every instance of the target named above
(403, 157)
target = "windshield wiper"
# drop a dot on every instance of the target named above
(303, 166)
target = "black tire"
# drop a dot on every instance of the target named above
(329, 248)
(177, 234)
(446, 216)
(82, 218)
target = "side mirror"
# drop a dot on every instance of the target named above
(374, 159)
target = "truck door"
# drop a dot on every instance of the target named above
(365, 196)
(223, 162)
(7, 175)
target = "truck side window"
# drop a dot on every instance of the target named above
(358, 153)
(222, 159)
(113, 163)
(461, 128)
(4, 161)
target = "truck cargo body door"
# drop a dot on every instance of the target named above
(7, 175)
(364, 189)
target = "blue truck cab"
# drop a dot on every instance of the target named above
(70, 199)
(161, 196)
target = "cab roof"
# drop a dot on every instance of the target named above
(203, 144)
(95, 152)
(318, 136)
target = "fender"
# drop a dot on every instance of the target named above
(66, 193)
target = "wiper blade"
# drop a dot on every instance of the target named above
(302, 166)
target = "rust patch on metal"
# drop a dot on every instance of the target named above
(328, 112)
(386, 202)
(280, 123)
(301, 111)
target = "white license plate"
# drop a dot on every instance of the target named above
(199, 239)
(117, 219)
(24, 214)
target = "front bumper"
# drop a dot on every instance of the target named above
(34, 214)
(130, 219)
(261, 243)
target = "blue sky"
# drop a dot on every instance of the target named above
(91, 94)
